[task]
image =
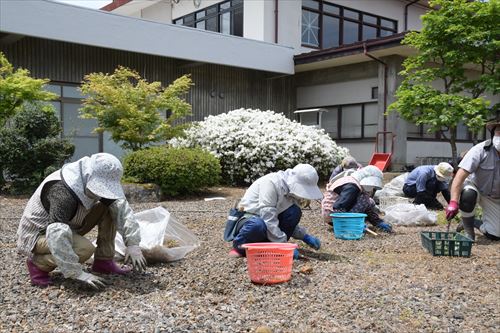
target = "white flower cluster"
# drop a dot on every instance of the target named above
(251, 143)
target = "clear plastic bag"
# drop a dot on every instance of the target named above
(163, 239)
(393, 188)
(409, 215)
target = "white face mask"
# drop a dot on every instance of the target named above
(496, 142)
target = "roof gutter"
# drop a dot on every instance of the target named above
(320, 55)
(365, 52)
(276, 21)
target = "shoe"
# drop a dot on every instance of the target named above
(108, 267)
(38, 277)
(235, 254)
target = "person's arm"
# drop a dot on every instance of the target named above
(457, 183)
(128, 227)
(268, 202)
(62, 208)
(126, 223)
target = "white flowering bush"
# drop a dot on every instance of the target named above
(251, 143)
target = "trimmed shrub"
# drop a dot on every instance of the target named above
(251, 143)
(31, 146)
(176, 170)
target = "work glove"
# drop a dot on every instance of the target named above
(451, 210)
(312, 241)
(133, 254)
(295, 254)
(91, 280)
(386, 227)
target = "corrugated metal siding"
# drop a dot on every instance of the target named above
(217, 89)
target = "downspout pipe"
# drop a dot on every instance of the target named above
(276, 21)
(406, 13)
(365, 52)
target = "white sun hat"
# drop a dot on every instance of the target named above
(105, 176)
(444, 172)
(303, 182)
(370, 177)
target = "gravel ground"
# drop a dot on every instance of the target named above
(387, 283)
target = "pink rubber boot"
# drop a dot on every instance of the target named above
(108, 267)
(38, 277)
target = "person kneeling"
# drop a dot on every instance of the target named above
(271, 212)
(353, 194)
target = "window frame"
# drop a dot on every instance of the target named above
(322, 13)
(234, 5)
(339, 120)
(63, 101)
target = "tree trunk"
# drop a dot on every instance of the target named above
(453, 143)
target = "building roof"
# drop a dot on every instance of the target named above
(67, 23)
(352, 53)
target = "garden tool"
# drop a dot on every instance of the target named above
(371, 232)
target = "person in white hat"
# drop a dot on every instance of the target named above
(426, 181)
(67, 205)
(352, 193)
(271, 208)
(477, 182)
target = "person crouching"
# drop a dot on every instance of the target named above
(271, 209)
(353, 194)
(68, 204)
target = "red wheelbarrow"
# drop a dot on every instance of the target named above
(382, 160)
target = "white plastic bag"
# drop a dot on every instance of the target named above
(393, 188)
(159, 231)
(409, 215)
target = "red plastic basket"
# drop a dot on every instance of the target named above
(269, 263)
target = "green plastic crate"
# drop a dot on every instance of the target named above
(446, 243)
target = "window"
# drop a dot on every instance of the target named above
(310, 28)
(374, 92)
(78, 130)
(225, 17)
(326, 25)
(353, 121)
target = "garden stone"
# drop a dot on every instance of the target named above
(141, 193)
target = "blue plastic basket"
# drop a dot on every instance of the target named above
(348, 226)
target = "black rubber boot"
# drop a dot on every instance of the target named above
(468, 227)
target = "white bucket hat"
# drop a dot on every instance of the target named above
(303, 182)
(105, 176)
(444, 171)
(369, 177)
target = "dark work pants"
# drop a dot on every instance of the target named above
(255, 231)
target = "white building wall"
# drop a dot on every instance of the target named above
(289, 24)
(361, 151)
(347, 92)
(418, 149)
(185, 7)
(161, 12)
